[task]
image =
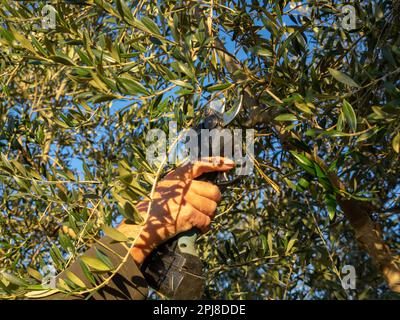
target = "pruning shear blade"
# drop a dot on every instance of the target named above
(218, 106)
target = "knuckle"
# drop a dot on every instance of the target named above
(205, 224)
(190, 211)
(189, 167)
(213, 206)
(216, 192)
(207, 221)
(194, 220)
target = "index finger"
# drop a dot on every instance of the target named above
(194, 170)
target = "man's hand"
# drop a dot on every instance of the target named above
(179, 204)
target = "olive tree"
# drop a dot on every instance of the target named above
(83, 82)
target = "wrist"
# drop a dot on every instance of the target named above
(145, 243)
(146, 238)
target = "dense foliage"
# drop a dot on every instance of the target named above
(77, 101)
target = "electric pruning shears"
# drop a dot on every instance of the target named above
(174, 269)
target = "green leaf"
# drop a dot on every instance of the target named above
(104, 258)
(343, 78)
(260, 51)
(302, 185)
(34, 274)
(130, 212)
(318, 170)
(41, 293)
(75, 279)
(330, 202)
(87, 272)
(303, 107)
(38, 46)
(218, 87)
(396, 143)
(114, 234)
(131, 86)
(13, 279)
(263, 243)
(6, 162)
(20, 167)
(290, 245)
(56, 256)
(286, 117)
(8, 36)
(303, 162)
(289, 183)
(270, 243)
(182, 84)
(301, 159)
(151, 25)
(95, 263)
(63, 59)
(24, 41)
(124, 10)
(350, 115)
(65, 242)
(180, 67)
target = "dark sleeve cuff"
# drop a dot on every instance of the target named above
(127, 284)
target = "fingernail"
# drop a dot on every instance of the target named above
(229, 161)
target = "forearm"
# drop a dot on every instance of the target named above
(127, 284)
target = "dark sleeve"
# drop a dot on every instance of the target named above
(127, 284)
